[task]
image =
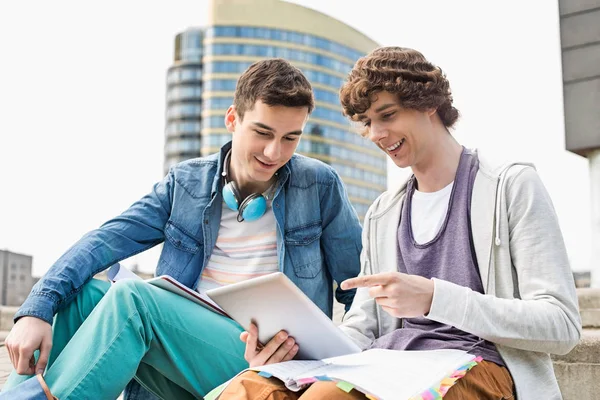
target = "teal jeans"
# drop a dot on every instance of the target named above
(110, 334)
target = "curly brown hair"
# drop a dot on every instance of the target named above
(416, 82)
(275, 82)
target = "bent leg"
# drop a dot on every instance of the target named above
(66, 322)
(135, 322)
(251, 386)
(485, 381)
(329, 390)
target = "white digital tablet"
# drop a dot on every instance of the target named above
(273, 302)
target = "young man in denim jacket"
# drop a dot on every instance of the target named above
(252, 209)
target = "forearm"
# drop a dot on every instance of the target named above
(542, 324)
(94, 252)
(137, 229)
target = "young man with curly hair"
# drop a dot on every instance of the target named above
(465, 255)
(252, 209)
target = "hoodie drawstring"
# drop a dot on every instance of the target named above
(499, 192)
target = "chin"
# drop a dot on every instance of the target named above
(261, 176)
(401, 163)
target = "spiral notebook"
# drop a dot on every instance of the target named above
(379, 374)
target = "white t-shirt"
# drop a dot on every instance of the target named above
(243, 250)
(428, 213)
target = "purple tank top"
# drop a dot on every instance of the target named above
(449, 256)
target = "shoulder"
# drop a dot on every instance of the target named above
(499, 167)
(518, 181)
(195, 164)
(387, 201)
(306, 171)
(196, 175)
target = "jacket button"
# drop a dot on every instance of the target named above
(206, 221)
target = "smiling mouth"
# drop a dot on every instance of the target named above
(395, 146)
(266, 165)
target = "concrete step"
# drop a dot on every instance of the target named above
(586, 351)
(588, 298)
(578, 372)
(589, 307)
(6, 317)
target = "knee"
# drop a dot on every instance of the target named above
(88, 297)
(127, 295)
(250, 385)
(127, 287)
(95, 288)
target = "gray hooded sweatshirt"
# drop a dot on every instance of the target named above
(529, 307)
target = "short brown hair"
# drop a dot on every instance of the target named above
(275, 82)
(417, 83)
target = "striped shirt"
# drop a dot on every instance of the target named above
(243, 250)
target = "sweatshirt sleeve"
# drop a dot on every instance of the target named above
(544, 315)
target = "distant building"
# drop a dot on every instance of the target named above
(184, 99)
(582, 279)
(209, 60)
(580, 47)
(15, 278)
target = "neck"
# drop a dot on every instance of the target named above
(438, 168)
(245, 185)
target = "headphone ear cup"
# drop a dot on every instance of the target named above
(252, 208)
(230, 196)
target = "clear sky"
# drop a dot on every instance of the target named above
(82, 103)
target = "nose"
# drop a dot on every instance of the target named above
(273, 150)
(376, 133)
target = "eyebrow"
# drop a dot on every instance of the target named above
(384, 107)
(268, 128)
(377, 110)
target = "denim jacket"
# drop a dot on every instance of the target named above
(318, 234)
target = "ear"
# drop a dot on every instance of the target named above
(431, 112)
(231, 119)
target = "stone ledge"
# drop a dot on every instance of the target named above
(578, 373)
(588, 298)
(589, 307)
(6, 317)
(580, 381)
(586, 351)
(590, 318)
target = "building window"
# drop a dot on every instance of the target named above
(229, 49)
(285, 36)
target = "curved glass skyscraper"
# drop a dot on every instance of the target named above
(184, 99)
(323, 48)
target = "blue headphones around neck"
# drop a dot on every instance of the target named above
(249, 209)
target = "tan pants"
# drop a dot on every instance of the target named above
(485, 381)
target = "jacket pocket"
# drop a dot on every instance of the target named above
(304, 249)
(178, 251)
(181, 240)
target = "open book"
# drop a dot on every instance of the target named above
(117, 272)
(379, 374)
